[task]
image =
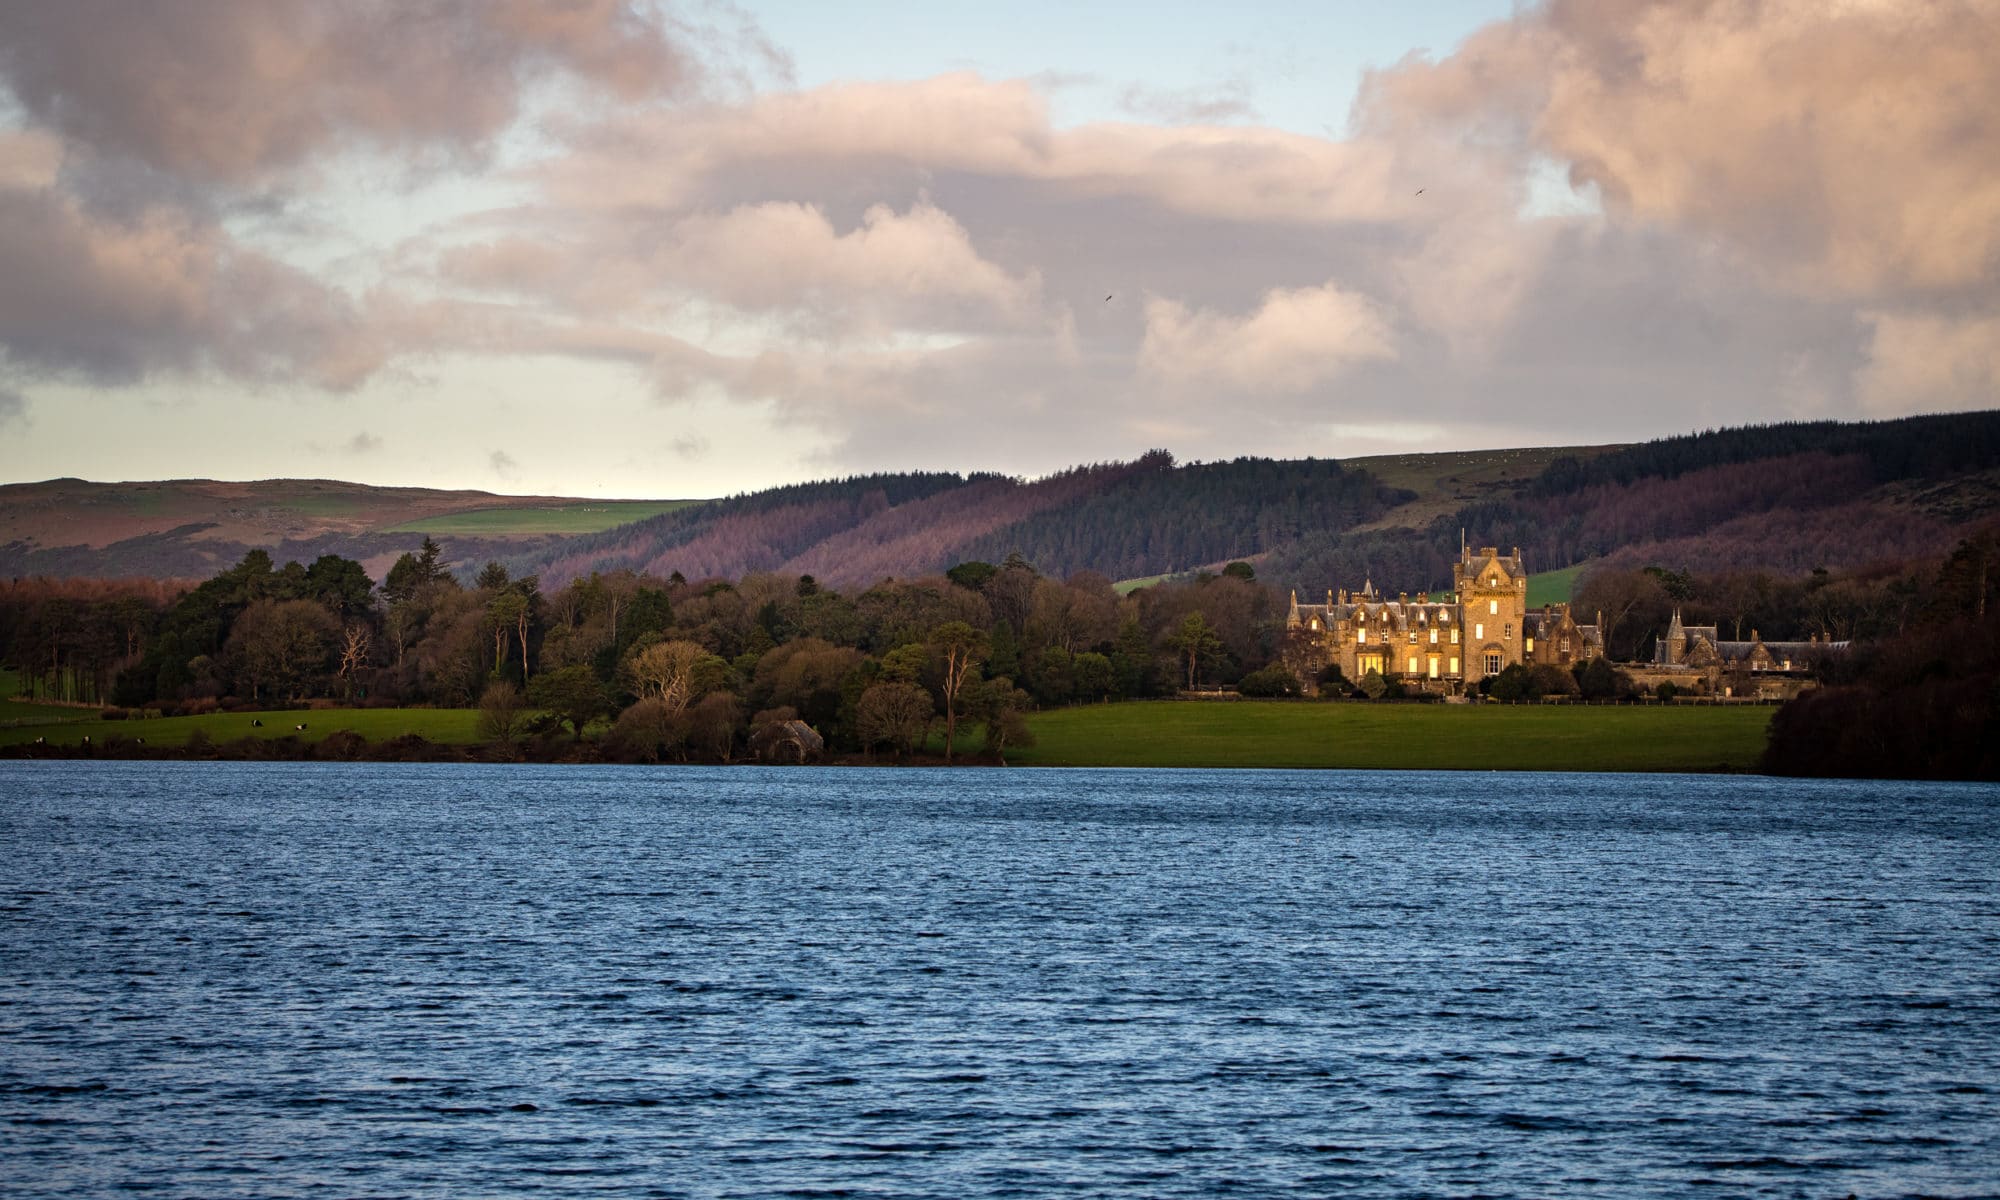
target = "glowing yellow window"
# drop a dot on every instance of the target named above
(1434, 635)
(1434, 666)
(1413, 664)
(1479, 630)
(1492, 608)
(1454, 664)
(1531, 645)
(1454, 636)
(1360, 635)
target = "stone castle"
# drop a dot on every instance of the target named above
(1445, 644)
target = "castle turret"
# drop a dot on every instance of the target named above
(1292, 618)
(1673, 648)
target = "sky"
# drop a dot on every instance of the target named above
(624, 248)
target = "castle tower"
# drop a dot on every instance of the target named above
(1676, 642)
(1492, 610)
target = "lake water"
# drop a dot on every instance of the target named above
(407, 980)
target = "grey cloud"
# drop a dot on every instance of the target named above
(691, 446)
(115, 301)
(232, 90)
(363, 443)
(1225, 102)
(503, 465)
(13, 408)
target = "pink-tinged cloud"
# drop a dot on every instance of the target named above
(882, 134)
(234, 90)
(1297, 339)
(1920, 361)
(1849, 146)
(116, 300)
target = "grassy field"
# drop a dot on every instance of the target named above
(1554, 587)
(1271, 733)
(454, 725)
(573, 518)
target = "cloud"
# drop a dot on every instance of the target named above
(236, 90)
(691, 446)
(115, 301)
(1847, 146)
(884, 136)
(362, 443)
(503, 465)
(13, 408)
(1919, 362)
(1297, 339)
(1229, 101)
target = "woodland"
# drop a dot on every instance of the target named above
(688, 635)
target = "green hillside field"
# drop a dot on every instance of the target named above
(1454, 737)
(565, 519)
(1554, 587)
(450, 725)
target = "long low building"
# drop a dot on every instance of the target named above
(1446, 643)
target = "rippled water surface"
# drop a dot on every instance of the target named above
(348, 980)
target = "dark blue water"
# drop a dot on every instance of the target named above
(346, 980)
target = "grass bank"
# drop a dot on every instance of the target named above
(452, 726)
(1276, 733)
(568, 519)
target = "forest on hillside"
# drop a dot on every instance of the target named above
(697, 668)
(1786, 498)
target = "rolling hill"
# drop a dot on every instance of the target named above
(191, 528)
(1787, 498)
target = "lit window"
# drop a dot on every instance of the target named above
(1413, 637)
(1454, 637)
(1479, 630)
(1454, 664)
(1413, 664)
(1434, 635)
(1360, 635)
(1531, 645)
(1434, 666)
(1492, 608)
(1315, 622)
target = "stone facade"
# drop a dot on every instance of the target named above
(1696, 657)
(1447, 643)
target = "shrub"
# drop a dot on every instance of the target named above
(343, 745)
(1274, 680)
(1666, 690)
(1549, 680)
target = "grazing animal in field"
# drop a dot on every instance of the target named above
(141, 741)
(86, 739)
(41, 741)
(300, 726)
(255, 723)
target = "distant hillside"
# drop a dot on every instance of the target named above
(1786, 498)
(1119, 519)
(188, 528)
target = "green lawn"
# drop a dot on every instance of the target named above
(1276, 733)
(455, 725)
(569, 518)
(1554, 587)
